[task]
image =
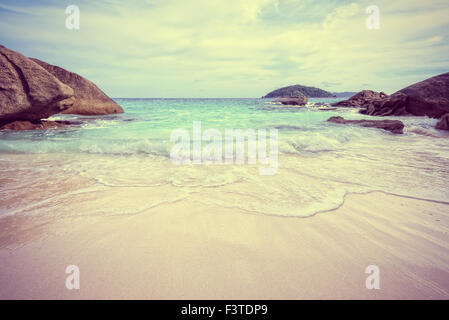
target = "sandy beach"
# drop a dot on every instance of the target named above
(228, 150)
(186, 250)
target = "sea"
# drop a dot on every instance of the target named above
(121, 164)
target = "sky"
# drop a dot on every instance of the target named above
(233, 48)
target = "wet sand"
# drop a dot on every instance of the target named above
(189, 250)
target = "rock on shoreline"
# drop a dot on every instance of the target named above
(39, 125)
(429, 97)
(31, 90)
(28, 91)
(362, 98)
(426, 98)
(394, 126)
(394, 105)
(296, 101)
(443, 124)
(89, 99)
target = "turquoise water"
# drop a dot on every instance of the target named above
(146, 125)
(92, 164)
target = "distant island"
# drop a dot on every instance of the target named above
(298, 91)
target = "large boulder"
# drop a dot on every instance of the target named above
(28, 91)
(89, 99)
(429, 97)
(426, 98)
(394, 105)
(361, 99)
(394, 126)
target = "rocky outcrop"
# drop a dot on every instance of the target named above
(31, 90)
(361, 99)
(89, 99)
(426, 98)
(443, 124)
(297, 101)
(394, 126)
(429, 97)
(299, 90)
(28, 91)
(394, 105)
(39, 125)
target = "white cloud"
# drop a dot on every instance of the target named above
(228, 48)
(340, 15)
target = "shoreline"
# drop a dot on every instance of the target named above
(187, 250)
(329, 182)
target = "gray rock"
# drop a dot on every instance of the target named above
(89, 99)
(429, 97)
(394, 126)
(394, 105)
(28, 91)
(39, 125)
(361, 99)
(426, 98)
(298, 100)
(443, 124)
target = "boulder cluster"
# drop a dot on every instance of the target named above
(426, 98)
